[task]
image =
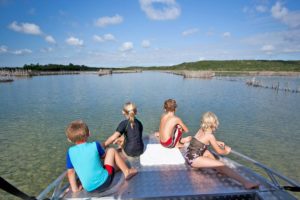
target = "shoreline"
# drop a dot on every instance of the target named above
(184, 73)
(211, 73)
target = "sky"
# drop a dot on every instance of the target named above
(121, 33)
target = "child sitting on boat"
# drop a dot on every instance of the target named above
(85, 159)
(171, 127)
(197, 155)
(129, 133)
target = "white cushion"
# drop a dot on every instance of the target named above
(156, 154)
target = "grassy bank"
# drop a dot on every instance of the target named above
(235, 66)
(218, 67)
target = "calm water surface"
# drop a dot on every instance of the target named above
(261, 123)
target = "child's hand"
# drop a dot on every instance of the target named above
(221, 144)
(119, 141)
(227, 149)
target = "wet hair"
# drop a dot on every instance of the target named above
(77, 131)
(209, 120)
(170, 105)
(130, 111)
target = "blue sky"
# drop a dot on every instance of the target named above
(116, 33)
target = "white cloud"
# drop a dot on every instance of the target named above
(146, 43)
(22, 52)
(280, 44)
(50, 39)
(98, 38)
(189, 32)
(31, 29)
(105, 37)
(261, 9)
(292, 19)
(26, 28)
(126, 46)
(109, 37)
(46, 50)
(105, 21)
(281, 13)
(170, 10)
(227, 34)
(3, 49)
(278, 11)
(74, 41)
(268, 48)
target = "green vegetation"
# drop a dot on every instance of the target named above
(236, 65)
(228, 66)
(57, 67)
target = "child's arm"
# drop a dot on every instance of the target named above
(72, 180)
(111, 139)
(183, 126)
(217, 145)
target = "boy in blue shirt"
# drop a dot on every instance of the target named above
(85, 159)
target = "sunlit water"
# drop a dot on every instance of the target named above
(261, 123)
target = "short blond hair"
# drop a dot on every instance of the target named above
(170, 105)
(77, 131)
(209, 120)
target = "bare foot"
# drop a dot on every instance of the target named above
(156, 134)
(251, 185)
(130, 173)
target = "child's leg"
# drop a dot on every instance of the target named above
(205, 162)
(180, 141)
(208, 154)
(114, 159)
(156, 133)
(185, 139)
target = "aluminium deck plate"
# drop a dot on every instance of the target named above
(182, 182)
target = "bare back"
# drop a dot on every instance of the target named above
(167, 125)
(202, 137)
(209, 139)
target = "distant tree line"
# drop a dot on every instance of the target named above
(58, 67)
(214, 65)
(53, 67)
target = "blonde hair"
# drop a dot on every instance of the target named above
(209, 120)
(170, 105)
(77, 131)
(130, 111)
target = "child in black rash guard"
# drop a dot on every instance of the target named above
(131, 132)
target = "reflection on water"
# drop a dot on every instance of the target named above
(260, 123)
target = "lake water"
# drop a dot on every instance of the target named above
(261, 123)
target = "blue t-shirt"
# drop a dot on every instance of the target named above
(85, 159)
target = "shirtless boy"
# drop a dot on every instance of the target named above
(171, 127)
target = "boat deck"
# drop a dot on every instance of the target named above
(182, 182)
